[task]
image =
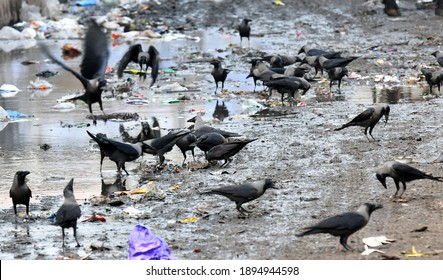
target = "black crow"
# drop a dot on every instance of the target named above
(403, 173)
(219, 74)
(227, 150)
(336, 74)
(20, 192)
(344, 225)
(433, 78)
(69, 212)
(187, 143)
(318, 52)
(92, 68)
(369, 118)
(289, 85)
(135, 53)
(208, 141)
(117, 151)
(245, 30)
(328, 64)
(243, 193)
(162, 145)
(391, 8)
(439, 56)
(201, 128)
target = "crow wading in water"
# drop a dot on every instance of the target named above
(20, 192)
(69, 212)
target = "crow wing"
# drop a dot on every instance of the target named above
(96, 54)
(130, 55)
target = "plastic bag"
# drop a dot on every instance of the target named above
(144, 245)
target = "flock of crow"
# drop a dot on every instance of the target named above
(282, 73)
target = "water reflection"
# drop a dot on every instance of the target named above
(372, 95)
(117, 186)
(220, 111)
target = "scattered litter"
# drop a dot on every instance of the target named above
(39, 84)
(29, 62)
(413, 253)
(65, 106)
(134, 71)
(425, 228)
(377, 241)
(95, 218)
(7, 90)
(10, 33)
(221, 172)
(368, 251)
(144, 245)
(188, 220)
(14, 115)
(278, 3)
(85, 3)
(45, 147)
(174, 188)
(174, 87)
(131, 211)
(139, 191)
(172, 101)
(134, 100)
(70, 52)
(46, 74)
(153, 193)
(301, 104)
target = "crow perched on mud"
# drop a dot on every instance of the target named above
(289, 85)
(69, 212)
(439, 56)
(243, 193)
(403, 173)
(336, 74)
(344, 225)
(219, 74)
(208, 141)
(245, 30)
(117, 151)
(92, 68)
(330, 63)
(135, 53)
(369, 118)
(162, 145)
(187, 143)
(318, 52)
(201, 128)
(433, 78)
(227, 150)
(20, 192)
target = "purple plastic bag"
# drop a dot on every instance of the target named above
(144, 245)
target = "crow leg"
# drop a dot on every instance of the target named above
(404, 189)
(344, 243)
(124, 168)
(397, 186)
(63, 236)
(75, 235)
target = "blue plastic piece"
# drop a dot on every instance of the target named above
(13, 115)
(144, 245)
(85, 3)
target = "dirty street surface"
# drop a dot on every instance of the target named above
(318, 171)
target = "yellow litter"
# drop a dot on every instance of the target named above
(174, 188)
(414, 253)
(279, 3)
(189, 220)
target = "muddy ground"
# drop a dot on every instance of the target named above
(319, 172)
